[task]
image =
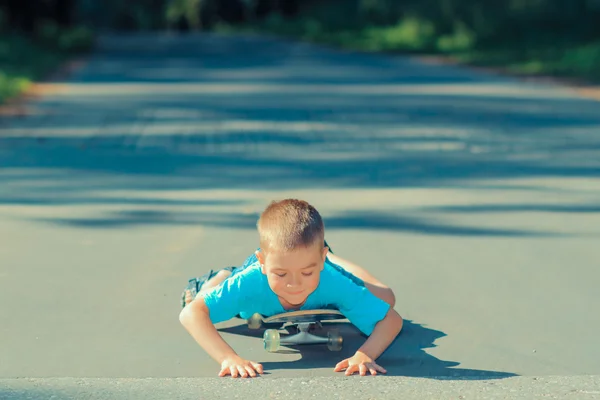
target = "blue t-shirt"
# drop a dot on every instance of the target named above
(247, 292)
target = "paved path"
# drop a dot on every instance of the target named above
(580, 387)
(477, 198)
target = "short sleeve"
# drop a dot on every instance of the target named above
(362, 308)
(226, 300)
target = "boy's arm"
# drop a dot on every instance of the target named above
(383, 335)
(195, 317)
(373, 316)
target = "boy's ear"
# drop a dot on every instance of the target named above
(325, 251)
(261, 260)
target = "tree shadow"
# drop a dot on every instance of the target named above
(161, 132)
(522, 208)
(371, 220)
(152, 113)
(270, 59)
(406, 356)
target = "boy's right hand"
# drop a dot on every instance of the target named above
(237, 366)
(195, 317)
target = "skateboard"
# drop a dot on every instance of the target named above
(305, 321)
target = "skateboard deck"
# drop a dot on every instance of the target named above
(304, 320)
(305, 316)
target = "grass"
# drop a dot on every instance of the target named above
(579, 61)
(24, 60)
(539, 55)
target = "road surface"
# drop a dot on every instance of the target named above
(475, 197)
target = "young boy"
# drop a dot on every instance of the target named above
(292, 269)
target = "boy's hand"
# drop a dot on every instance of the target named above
(237, 366)
(360, 363)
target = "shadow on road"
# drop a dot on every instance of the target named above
(197, 130)
(406, 356)
(203, 113)
(371, 220)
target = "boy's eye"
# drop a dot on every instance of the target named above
(281, 275)
(307, 273)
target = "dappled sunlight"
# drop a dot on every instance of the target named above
(126, 89)
(196, 72)
(493, 220)
(474, 197)
(130, 134)
(104, 202)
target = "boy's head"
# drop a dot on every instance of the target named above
(292, 251)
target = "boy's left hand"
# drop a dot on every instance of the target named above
(360, 363)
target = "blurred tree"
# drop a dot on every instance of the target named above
(489, 20)
(20, 15)
(184, 14)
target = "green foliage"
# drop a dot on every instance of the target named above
(142, 15)
(71, 40)
(25, 59)
(408, 34)
(11, 85)
(21, 60)
(188, 10)
(561, 59)
(560, 37)
(460, 39)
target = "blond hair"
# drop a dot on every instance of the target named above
(289, 224)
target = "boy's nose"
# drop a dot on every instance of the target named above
(294, 281)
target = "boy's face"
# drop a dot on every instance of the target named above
(295, 274)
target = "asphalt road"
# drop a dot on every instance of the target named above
(475, 197)
(580, 387)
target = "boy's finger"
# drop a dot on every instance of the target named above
(341, 365)
(242, 371)
(233, 371)
(380, 368)
(250, 371)
(258, 367)
(362, 368)
(350, 370)
(223, 372)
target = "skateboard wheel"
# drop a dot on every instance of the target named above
(334, 341)
(271, 340)
(255, 321)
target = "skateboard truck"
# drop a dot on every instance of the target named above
(273, 340)
(304, 320)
